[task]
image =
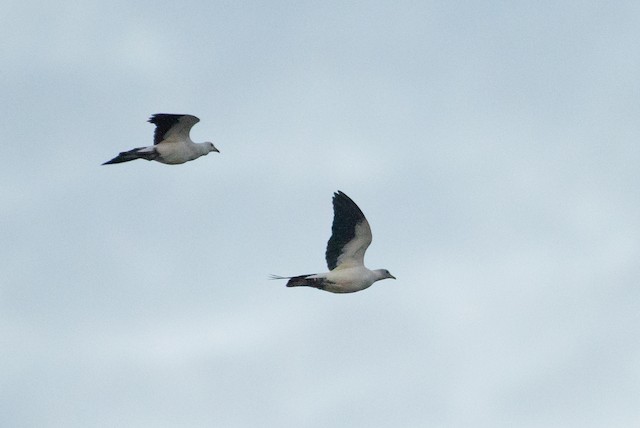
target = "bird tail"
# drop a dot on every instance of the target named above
(138, 153)
(302, 281)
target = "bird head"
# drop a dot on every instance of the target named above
(384, 274)
(211, 147)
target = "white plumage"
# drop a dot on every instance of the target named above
(350, 238)
(171, 143)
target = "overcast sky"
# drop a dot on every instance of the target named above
(493, 146)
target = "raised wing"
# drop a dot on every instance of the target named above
(350, 234)
(172, 127)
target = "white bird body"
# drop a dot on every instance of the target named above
(172, 144)
(350, 238)
(349, 279)
(181, 151)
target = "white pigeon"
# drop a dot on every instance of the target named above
(350, 238)
(171, 142)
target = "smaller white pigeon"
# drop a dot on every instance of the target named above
(171, 142)
(350, 238)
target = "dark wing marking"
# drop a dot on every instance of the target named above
(350, 233)
(168, 125)
(139, 153)
(303, 280)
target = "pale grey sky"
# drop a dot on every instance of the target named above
(493, 146)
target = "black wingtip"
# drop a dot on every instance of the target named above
(341, 195)
(157, 117)
(340, 198)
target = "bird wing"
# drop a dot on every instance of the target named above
(172, 128)
(350, 234)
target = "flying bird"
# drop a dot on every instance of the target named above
(350, 238)
(171, 142)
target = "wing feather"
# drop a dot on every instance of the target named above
(172, 127)
(350, 234)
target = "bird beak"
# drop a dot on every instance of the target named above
(392, 277)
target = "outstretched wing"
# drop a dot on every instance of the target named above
(172, 127)
(350, 234)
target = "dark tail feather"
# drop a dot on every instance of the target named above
(302, 281)
(133, 155)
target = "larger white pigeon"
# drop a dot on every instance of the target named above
(171, 142)
(350, 238)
